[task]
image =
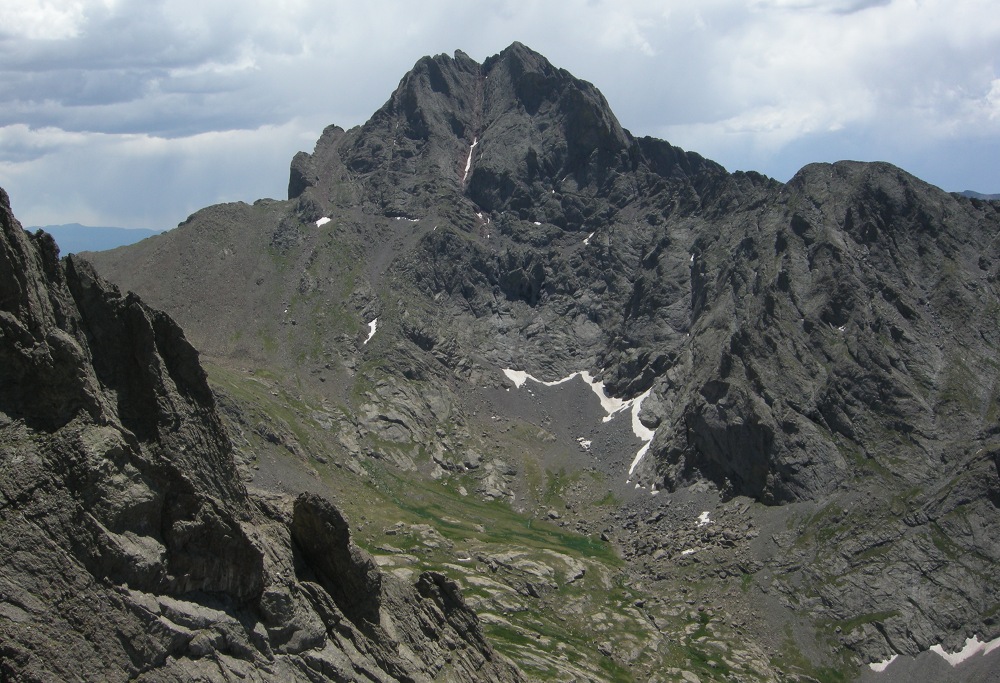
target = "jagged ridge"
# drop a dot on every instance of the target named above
(131, 550)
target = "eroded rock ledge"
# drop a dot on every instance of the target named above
(130, 549)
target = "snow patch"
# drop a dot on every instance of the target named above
(371, 329)
(973, 646)
(610, 404)
(537, 223)
(518, 377)
(689, 551)
(640, 454)
(322, 221)
(703, 519)
(587, 241)
(585, 443)
(881, 666)
(468, 162)
(640, 430)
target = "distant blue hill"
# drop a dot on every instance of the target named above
(73, 237)
(979, 195)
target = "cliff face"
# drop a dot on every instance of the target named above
(129, 547)
(794, 331)
(821, 322)
(825, 348)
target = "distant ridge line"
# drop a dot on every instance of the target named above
(73, 238)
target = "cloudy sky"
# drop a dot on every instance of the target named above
(138, 112)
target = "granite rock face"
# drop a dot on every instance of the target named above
(129, 547)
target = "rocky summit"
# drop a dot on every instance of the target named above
(654, 420)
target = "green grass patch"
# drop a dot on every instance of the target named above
(821, 526)
(862, 619)
(430, 502)
(267, 400)
(615, 671)
(791, 661)
(608, 499)
(940, 539)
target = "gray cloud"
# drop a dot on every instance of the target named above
(211, 100)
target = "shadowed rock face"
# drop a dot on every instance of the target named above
(130, 548)
(512, 134)
(347, 573)
(796, 329)
(804, 342)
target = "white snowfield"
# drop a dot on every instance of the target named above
(322, 221)
(973, 646)
(611, 405)
(371, 329)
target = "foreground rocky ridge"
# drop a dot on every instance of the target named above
(825, 348)
(131, 549)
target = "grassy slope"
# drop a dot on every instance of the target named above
(561, 604)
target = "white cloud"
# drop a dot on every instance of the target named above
(20, 142)
(41, 19)
(135, 180)
(992, 101)
(822, 6)
(791, 71)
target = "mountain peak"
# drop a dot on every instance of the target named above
(827, 343)
(512, 132)
(521, 59)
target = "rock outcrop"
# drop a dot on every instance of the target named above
(130, 549)
(793, 330)
(828, 344)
